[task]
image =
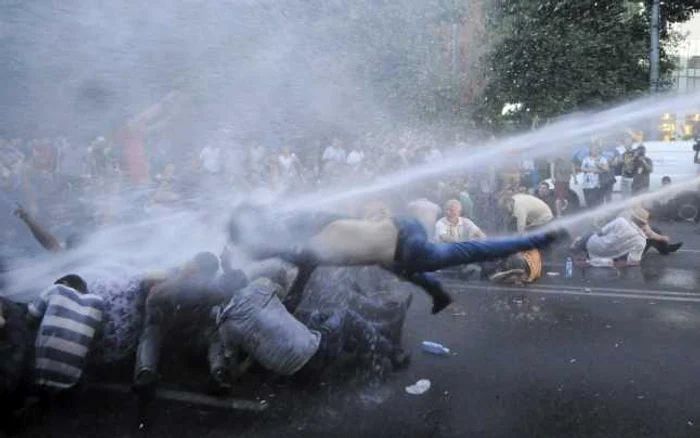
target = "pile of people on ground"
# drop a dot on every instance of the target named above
(238, 316)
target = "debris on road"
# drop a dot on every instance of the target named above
(418, 388)
(435, 348)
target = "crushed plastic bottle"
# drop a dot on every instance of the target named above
(435, 348)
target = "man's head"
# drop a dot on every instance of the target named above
(639, 216)
(73, 281)
(666, 181)
(453, 209)
(641, 150)
(543, 190)
(506, 201)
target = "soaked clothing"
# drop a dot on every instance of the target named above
(415, 254)
(530, 212)
(69, 321)
(618, 238)
(123, 318)
(257, 321)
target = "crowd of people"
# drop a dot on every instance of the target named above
(239, 317)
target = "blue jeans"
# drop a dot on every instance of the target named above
(415, 253)
(416, 257)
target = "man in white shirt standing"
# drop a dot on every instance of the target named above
(455, 228)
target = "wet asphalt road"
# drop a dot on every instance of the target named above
(607, 354)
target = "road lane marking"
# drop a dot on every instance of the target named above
(596, 292)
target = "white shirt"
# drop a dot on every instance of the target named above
(334, 154)
(592, 180)
(464, 229)
(617, 238)
(210, 158)
(287, 161)
(355, 157)
(530, 211)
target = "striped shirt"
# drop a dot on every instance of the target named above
(69, 321)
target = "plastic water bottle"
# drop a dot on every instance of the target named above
(435, 348)
(569, 267)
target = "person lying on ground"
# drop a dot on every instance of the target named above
(623, 241)
(180, 302)
(520, 268)
(398, 244)
(256, 321)
(69, 318)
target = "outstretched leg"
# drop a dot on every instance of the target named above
(429, 283)
(442, 255)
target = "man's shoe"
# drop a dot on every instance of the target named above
(671, 248)
(557, 235)
(506, 275)
(441, 301)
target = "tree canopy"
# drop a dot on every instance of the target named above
(558, 56)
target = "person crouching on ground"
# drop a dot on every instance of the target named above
(257, 322)
(623, 241)
(181, 299)
(69, 318)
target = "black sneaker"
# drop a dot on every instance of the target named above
(440, 301)
(672, 248)
(559, 234)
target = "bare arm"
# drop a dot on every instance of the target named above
(46, 239)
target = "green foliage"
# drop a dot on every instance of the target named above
(559, 56)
